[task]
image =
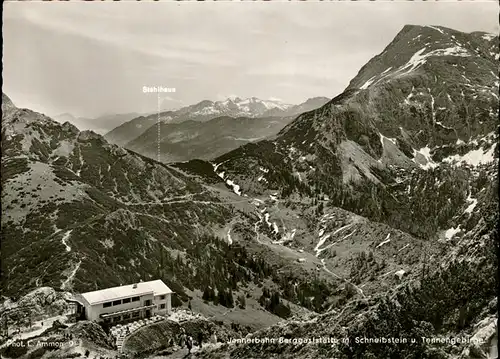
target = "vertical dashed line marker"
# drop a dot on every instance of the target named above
(158, 130)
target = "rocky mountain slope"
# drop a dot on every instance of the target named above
(406, 143)
(411, 143)
(207, 110)
(309, 105)
(69, 196)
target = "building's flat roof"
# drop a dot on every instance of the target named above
(155, 287)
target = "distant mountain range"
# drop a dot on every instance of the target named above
(208, 129)
(101, 124)
(208, 110)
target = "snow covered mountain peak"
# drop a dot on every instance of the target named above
(236, 107)
(416, 47)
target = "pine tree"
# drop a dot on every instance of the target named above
(265, 292)
(242, 301)
(206, 294)
(275, 300)
(230, 299)
(223, 298)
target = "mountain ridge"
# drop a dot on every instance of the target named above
(207, 110)
(101, 124)
(206, 140)
(413, 134)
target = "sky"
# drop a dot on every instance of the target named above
(93, 58)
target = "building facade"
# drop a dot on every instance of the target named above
(127, 302)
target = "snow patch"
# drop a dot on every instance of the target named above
(436, 28)
(65, 238)
(348, 235)
(410, 95)
(400, 273)
(415, 61)
(342, 228)
(323, 237)
(432, 106)
(450, 233)
(443, 126)
(257, 202)
(387, 240)
(424, 155)
(367, 83)
(287, 237)
(473, 158)
(386, 70)
(322, 240)
(471, 207)
(405, 246)
(235, 187)
(419, 58)
(266, 216)
(488, 37)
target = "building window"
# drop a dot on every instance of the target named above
(135, 314)
(107, 305)
(147, 302)
(135, 299)
(117, 302)
(107, 320)
(117, 319)
(126, 300)
(162, 297)
(126, 316)
(162, 306)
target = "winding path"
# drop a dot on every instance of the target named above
(360, 291)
